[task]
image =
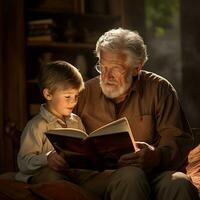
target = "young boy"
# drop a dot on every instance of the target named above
(60, 84)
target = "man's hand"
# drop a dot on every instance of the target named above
(146, 158)
(56, 161)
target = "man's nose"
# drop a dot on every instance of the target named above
(106, 75)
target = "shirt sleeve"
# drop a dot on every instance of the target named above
(176, 138)
(31, 155)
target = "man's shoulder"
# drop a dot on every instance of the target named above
(153, 76)
(153, 82)
(93, 84)
(93, 81)
(89, 95)
(154, 79)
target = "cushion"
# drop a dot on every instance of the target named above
(60, 190)
(8, 176)
(193, 166)
(13, 190)
(57, 190)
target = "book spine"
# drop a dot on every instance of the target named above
(40, 30)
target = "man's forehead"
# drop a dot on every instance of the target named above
(113, 56)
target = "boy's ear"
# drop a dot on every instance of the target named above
(137, 69)
(47, 95)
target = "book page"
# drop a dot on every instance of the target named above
(118, 126)
(70, 132)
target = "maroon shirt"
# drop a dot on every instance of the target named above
(153, 111)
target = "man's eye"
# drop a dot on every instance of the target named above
(67, 97)
(117, 69)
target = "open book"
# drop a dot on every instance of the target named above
(100, 150)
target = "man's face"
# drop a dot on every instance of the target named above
(116, 76)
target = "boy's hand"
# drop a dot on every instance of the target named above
(56, 161)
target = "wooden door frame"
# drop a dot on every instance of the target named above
(12, 68)
(1, 85)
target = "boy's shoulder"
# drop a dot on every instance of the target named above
(74, 121)
(37, 122)
(38, 118)
(74, 118)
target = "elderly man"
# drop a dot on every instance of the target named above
(152, 108)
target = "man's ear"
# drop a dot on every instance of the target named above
(47, 95)
(137, 69)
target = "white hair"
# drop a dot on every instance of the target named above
(123, 40)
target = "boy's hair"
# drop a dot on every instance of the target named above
(60, 75)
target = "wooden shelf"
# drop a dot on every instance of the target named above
(84, 16)
(74, 32)
(63, 45)
(32, 81)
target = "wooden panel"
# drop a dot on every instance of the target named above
(1, 85)
(14, 63)
(190, 41)
(13, 74)
(133, 15)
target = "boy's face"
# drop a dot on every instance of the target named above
(62, 102)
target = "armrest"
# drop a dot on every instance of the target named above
(13, 135)
(196, 132)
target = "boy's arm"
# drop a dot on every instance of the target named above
(57, 161)
(33, 148)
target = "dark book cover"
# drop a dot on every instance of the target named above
(100, 150)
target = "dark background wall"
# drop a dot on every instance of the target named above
(185, 75)
(172, 35)
(1, 81)
(190, 41)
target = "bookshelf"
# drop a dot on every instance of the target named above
(20, 58)
(61, 45)
(65, 30)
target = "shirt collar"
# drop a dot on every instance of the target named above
(137, 84)
(49, 117)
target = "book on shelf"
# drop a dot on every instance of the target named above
(99, 150)
(40, 38)
(40, 30)
(68, 6)
(41, 22)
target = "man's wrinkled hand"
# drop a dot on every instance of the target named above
(57, 161)
(146, 158)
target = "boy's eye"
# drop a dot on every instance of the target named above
(69, 98)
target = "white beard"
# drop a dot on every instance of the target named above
(112, 90)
